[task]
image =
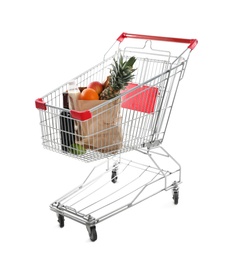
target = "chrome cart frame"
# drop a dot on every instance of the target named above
(137, 182)
(135, 166)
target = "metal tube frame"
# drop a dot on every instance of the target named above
(61, 208)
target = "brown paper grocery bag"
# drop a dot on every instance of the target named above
(103, 131)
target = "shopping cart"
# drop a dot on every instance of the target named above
(124, 133)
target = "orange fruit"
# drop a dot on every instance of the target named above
(89, 94)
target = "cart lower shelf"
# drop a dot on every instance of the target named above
(118, 184)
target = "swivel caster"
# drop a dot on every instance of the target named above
(175, 193)
(114, 176)
(92, 233)
(61, 220)
(176, 197)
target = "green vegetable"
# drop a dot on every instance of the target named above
(77, 149)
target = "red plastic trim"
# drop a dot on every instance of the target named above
(143, 102)
(81, 115)
(40, 104)
(193, 42)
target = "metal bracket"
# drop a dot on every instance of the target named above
(175, 187)
(152, 144)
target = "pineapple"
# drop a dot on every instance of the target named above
(120, 75)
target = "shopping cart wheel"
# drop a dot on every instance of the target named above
(92, 233)
(175, 197)
(61, 220)
(114, 176)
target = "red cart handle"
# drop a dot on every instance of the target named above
(192, 42)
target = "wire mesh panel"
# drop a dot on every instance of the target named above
(137, 117)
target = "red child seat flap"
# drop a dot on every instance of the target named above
(142, 99)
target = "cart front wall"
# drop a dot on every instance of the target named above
(137, 117)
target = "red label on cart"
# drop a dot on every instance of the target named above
(142, 99)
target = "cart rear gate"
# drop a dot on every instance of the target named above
(116, 130)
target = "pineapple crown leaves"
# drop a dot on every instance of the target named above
(122, 72)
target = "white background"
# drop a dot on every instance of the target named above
(45, 43)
